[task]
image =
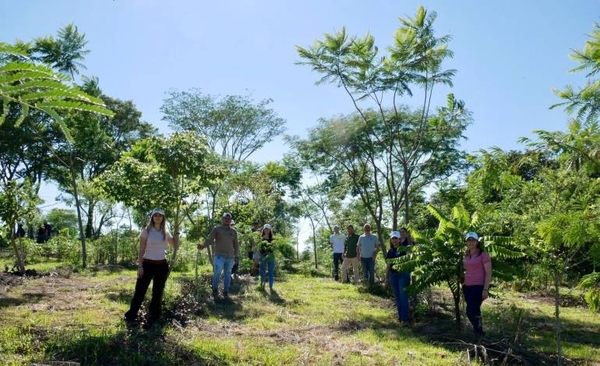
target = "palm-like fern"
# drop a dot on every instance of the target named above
(28, 86)
(437, 256)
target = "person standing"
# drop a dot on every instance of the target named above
(254, 253)
(337, 244)
(350, 255)
(226, 253)
(367, 249)
(397, 280)
(152, 265)
(478, 275)
(267, 253)
(20, 231)
(48, 229)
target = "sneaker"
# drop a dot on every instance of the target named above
(226, 295)
(215, 295)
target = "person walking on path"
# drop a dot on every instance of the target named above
(478, 275)
(152, 265)
(226, 253)
(350, 258)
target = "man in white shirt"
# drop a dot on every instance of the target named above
(337, 244)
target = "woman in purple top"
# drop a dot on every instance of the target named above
(478, 274)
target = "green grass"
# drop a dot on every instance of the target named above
(305, 321)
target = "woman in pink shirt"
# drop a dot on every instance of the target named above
(478, 274)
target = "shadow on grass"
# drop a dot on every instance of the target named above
(133, 346)
(25, 298)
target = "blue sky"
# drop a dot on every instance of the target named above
(509, 54)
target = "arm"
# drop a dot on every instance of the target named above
(388, 271)
(377, 248)
(210, 240)
(487, 267)
(141, 252)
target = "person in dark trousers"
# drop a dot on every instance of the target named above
(236, 266)
(41, 235)
(337, 240)
(478, 275)
(48, 229)
(152, 266)
(20, 231)
(267, 257)
(397, 280)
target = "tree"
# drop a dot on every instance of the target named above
(437, 256)
(27, 88)
(99, 143)
(64, 53)
(160, 172)
(235, 126)
(406, 146)
(63, 221)
(585, 102)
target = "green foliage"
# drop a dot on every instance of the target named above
(386, 152)
(158, 172)
(591, 283)
(585, 102)
(37, 87)
(437, 257)
(235, 126)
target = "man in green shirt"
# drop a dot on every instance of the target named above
(350, 256)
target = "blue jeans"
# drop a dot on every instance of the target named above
(269, 266)
(220, 264)
(368, 265)
(473, 298)
(399, 281)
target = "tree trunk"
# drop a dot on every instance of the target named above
(456, 298)
(406, 202)
(17, 245)
(557, 324)
(89, 225)
(79, 220)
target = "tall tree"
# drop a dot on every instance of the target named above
(64, 53)
(375, 84)
(235, 127)
(160, 172)
(28, 89)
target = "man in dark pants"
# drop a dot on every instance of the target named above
(337, 244)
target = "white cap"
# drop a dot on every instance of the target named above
(267, 226)
(473, 235)
(395, 234)
(157, 211)
(227, 214)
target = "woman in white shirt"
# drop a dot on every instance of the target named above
(152, 266)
